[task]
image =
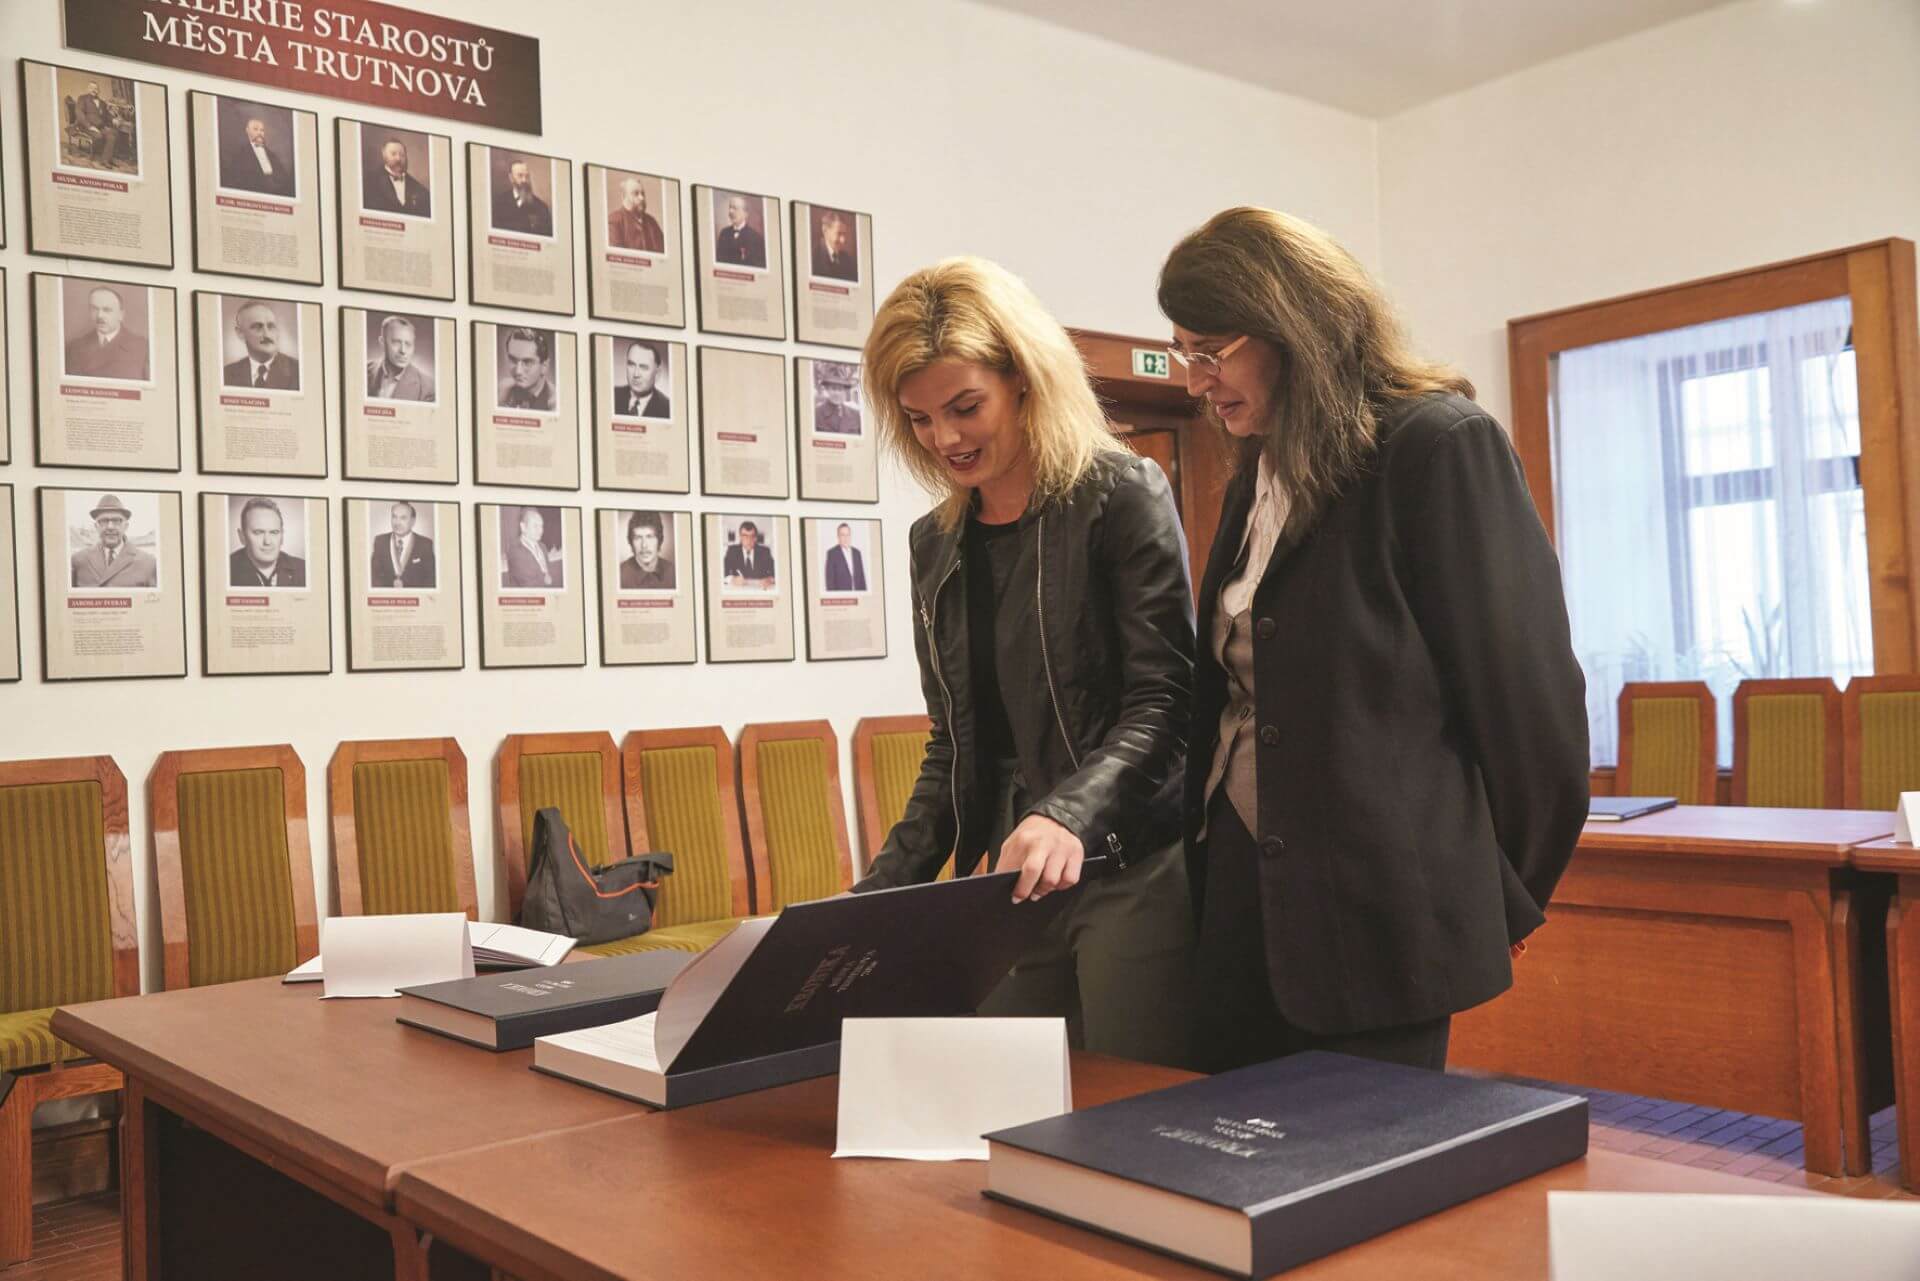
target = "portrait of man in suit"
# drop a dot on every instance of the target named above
(517, 206)
(836, 398)
(256, 148)
(629, 225)
(526, 370)
(265, 364)
(111, 560)
(262, 560)
(399, 357)
(739, 242)
(403, 553)
(98, 126)
(388, 183)
(644, 396)
(532, 558)
(846, 569)
(102, 338)
(836, 245)
(748, 563)
(648, 568)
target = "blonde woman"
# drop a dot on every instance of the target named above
(1054, 627)
(1389, 767)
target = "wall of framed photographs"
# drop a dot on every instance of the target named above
(425, 428)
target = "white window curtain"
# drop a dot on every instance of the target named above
(1710, 517)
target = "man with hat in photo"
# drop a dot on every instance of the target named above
(113, 561)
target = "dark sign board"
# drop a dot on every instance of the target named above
(394, 58)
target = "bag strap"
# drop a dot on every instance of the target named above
(594, 885)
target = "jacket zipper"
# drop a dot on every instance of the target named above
(928, 612)
(1046, 660)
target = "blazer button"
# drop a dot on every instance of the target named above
(1265, 628)
(1272, 846)
(1270, 735)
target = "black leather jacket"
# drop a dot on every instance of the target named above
(1095, 655)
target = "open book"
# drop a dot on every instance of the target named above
(763, 1006)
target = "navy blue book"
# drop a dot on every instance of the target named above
(507, 1011)
(1618, 809)
(1264, 1168)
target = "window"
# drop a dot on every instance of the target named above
(1709, 511)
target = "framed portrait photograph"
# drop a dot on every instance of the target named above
(403, 584)
(640, 395)
(6, 372)
(112, 584)
(401, 415)
(265, 586)
(635, 250)
(846, 588)
(743, 423)
(9, 592)
(526, 406)
(837, 455)
(832, 275)
(99, 165)
(520, 223)
(256, 188)
(740, 271)
(533, 609)
(394, 191)
(749, 602)
(263, 401)
(647, 586)
(105, 374)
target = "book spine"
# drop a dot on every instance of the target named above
(703, 1085)
(1347, 1214)
(518, 1031)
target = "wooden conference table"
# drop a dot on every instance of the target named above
(1902, 863)
(1718, 955)
(273, 1134)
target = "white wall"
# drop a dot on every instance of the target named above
(1744, 135)
(962, 129)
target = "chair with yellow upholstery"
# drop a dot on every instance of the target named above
(577, 774)
(887, 751)
(681, 799)
(796, 819)
(66, 936)
(235, 871)
(1668, 741)
(1881, 715)
(1787, 743)
(401, 839)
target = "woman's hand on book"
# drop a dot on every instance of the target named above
(1046, 855)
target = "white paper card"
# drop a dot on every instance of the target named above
(927, 1089)
(377, 955)
(1637, 1236)
(1906, 818)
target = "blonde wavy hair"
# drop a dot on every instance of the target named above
(972, 310)
(1343, 356)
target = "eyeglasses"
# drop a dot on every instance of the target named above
(1207, 362)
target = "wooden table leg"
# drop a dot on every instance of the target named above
(1843, 938)
(140, 1187)
(16, 1173)
(1903, 953)
(1819, 1035)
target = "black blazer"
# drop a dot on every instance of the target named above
(1422, 730)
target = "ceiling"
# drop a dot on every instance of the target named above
(1370, 57)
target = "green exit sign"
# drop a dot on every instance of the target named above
(1148, 363)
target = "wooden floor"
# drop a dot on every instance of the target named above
(80, 1240)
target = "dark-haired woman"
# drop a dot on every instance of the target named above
(1388, 769)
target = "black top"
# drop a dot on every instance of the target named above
(990, 552)
(1421, 742)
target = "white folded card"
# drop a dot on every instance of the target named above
(927, 1089)
(377, 955)
(1647, 1236)
(1906, 817)
(495, 946)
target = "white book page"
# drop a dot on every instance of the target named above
(516, 942)
(629, 1041)
(695, 989)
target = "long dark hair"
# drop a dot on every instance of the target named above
(1343, 356)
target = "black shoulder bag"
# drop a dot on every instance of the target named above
(590, 904)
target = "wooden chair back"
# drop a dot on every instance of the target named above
(402, 838)
(1668, 741)
(682, 798)
(1881, 724)
(887, 751)
(1787, 744)
(536, 770)
(239, 803)
(796, 820)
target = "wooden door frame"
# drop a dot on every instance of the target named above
(1878, 279)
